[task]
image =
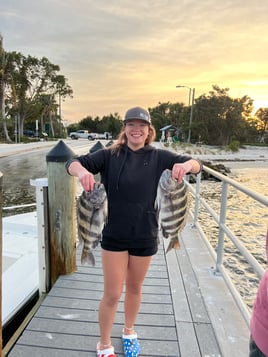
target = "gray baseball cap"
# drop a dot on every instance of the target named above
(137, 113)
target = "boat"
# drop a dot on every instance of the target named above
(20, 282)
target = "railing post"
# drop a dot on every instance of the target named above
(221, 223)
(61, 203)
(41, 193)
(197, 197)
(1, 204)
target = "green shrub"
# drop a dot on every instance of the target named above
(234, 146)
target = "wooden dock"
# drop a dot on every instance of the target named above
(187, 311)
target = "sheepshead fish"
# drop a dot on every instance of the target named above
(91, 217)
(172, 202)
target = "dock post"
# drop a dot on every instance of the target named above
(61, 207)
(1, 204)
(41, 193)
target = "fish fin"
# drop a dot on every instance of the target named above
(80, 238)
(164, 233)
(87, 257)
(174, 244)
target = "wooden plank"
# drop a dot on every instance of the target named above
(93, 305)
(179, 298)
(60, 341)
(189, 345)
(36, 351)
(98, 280)
(192, 289)
(155, 271)
(75, 327)
(207, 340)
(96, 295)
(85, 293)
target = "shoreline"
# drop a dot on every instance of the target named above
(246, 157)
(241, 164)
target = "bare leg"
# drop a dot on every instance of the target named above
(137, 269)
(114, 269)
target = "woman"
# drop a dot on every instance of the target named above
(130, 171)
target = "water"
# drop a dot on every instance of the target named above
(19, 168)
(247, 219)
(17, 172)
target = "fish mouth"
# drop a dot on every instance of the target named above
(169, 184)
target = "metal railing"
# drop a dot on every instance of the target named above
(9, 208)
(223, 230)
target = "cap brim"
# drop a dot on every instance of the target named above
(140, 119)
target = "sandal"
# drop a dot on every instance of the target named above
(131, 345)
(107, 352)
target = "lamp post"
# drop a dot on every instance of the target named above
(60, 114)
(190, 103)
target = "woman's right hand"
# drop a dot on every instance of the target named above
(85, 177)
(87, 180)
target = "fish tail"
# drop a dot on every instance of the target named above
(173, 244)
(87, 257)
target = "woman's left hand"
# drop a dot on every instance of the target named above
(180, 170)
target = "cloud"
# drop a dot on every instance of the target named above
(116, 53)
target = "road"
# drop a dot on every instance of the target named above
(13, 149)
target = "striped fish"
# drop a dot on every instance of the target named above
(172, 202)
(91, 217)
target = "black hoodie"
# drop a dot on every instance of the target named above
(131, 179)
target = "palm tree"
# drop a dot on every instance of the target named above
(5, 78)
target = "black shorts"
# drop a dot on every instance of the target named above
(138, 252)
(254, 350)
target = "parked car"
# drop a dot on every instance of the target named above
(104, 135)
(82, 134)
(29, 133)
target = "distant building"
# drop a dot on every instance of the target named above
(167, 133)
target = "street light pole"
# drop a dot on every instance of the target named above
(190, 103)
(191, 116)
(60, 114)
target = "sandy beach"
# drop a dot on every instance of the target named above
(246, 157)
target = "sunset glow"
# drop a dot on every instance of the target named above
(119, 54)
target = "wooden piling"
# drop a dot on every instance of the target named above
(62, 212)
(1, 205)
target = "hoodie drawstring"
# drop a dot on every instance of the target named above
(120, 170)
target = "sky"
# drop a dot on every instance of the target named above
(125, 53)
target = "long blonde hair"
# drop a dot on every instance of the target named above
(122, 139)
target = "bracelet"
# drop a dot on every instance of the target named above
(201, 166)
(105, 346)
(129, 328)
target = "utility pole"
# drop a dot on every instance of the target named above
(191, 116)
(191, 103)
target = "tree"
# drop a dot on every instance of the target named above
(262, 123)
(38, 77)
(111, 123)
(168, 114)
(6, 70)
(30, 88)
(219, 119)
